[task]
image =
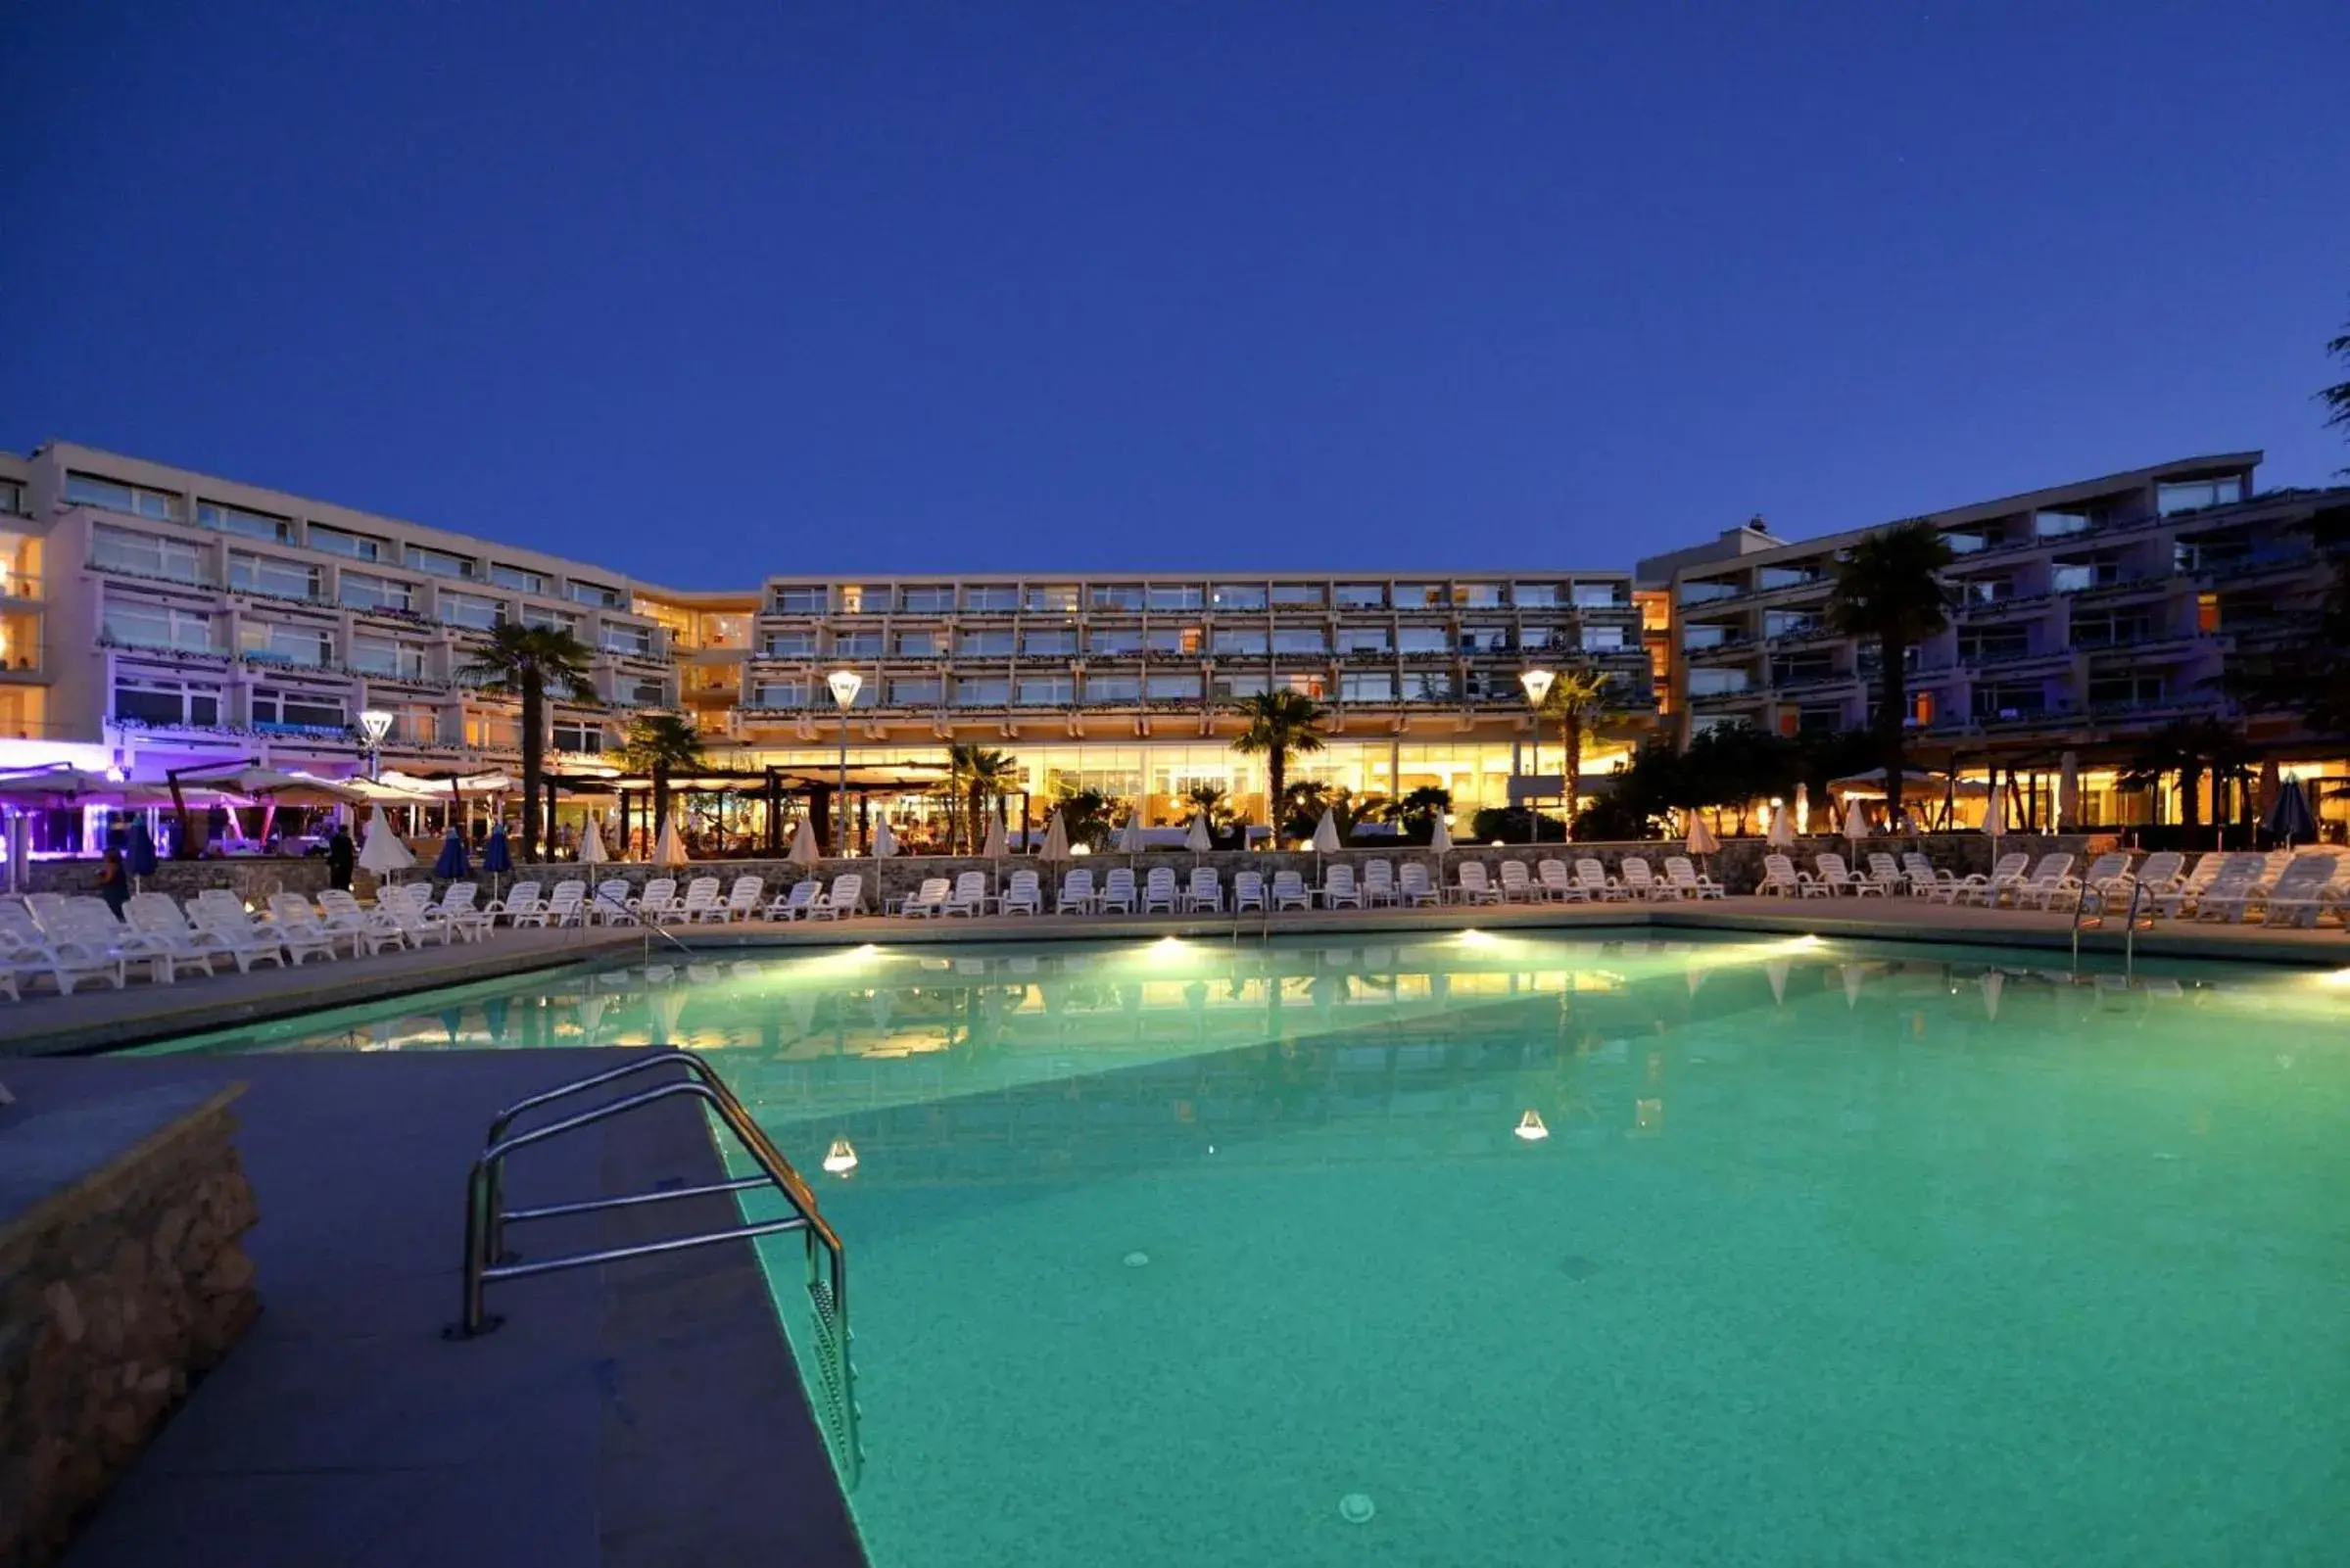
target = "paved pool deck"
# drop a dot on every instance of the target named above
(634, 1414)
(100, 1020)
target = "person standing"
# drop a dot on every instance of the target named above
(114, 882)
(339, 858)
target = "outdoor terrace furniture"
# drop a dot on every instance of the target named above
(928, 899)
(700, 902)
(1638, 881)
(1021, 895)
(743, 898)
(1593, 878)
(847, 893)
(2302, 890)
(969, 897)
(521, 902)
(1248, 891)
(240, 939)
(406, 909)
(1205, 891)
(1518, 884)
(1472, 885)
(1693, 882)
(29, 952)
(1838, 877)
(1289, 891)
(568, 905)
(1412, 886)
(174, 943)
(1159, 890)
(2046, 881)
(1378, 881)
(1118, 891)
(1339, 889)
(796, 901)
(658, 901)
(608, 905)
(2229, 895)
(342, 915)
(1076, 892)
(1924, 880)
(1885, 873)
(1781, 880)
(2179, 898)
(1980, 888)
(296, 914)
(1557, 885)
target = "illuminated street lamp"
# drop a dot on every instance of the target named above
(1538, 683)
(375, 726)
(844, 686)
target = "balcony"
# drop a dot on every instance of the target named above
(20, 587)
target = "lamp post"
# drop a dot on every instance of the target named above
(844, 685)
(374, 725)
(1538, 683)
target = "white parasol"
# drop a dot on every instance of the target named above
(590, 846)
(1701, 837)
(1056, 839)
(885, 842)
(1994, 815)
(668, 850)
(1802, 808)
(803, 851)
(994, 847)
(2068, 790)
(1199, 841)
(1326, 833)
(1782, 834)
(383, 853)
(1856, 821)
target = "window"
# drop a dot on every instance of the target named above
(342, 541)
(1172, 688)
(548, 620)
(1105, 689)
(1232, 688)
(1354, 640)
(644, 691)
(2053, 525)
(1045, 691)
(1377, 687)
(1419, 596)
(467, 609)
(792, 693)
(1114, 640)
(1770, 577)
(362, 591)
(797, 601)
(1052, 599)
(1297, 595)
(789, 645)
(579, 736)
(87, 489)
(515, 577)
(1967, 541)
(928, 600)
(1698, 635)
(1986, 590)
(2186, 496)
(1477, 595)
(984, 644)
(982, 692)
(2073, 577)
(267, 574)
(1545, 639)
(856, 644)
(636, 642)
(1174, 596)
(1301, 640)
(1234, 642)
(1047, 643)
(1115, 595)
(237, 520)
(1428, 685)
(1603, 638)
(127, 624)
(387, 656)
(1304, 683)
(2011, 701)
(865, 598)
(992, 600)
(1237, 596)
(927, 643)
(274, 643)
(1184, 640)
(1710, 681)
(1485, 639)
(1803, 667)
(162, 701)
(1698, 591)
(1790, 623)
(1975, 644)
(1536, 596)
(124, 550)
(595, 593)
(1423, 639)
(2126, 689)
(303, 712)
(916, 692)
(12, 498)
(1362, 595)
(440, 562)
(415, 725)
(1605, 596)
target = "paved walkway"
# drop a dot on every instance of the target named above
(44, 1024)
(640, 1414)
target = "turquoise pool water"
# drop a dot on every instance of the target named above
(1832, 1253)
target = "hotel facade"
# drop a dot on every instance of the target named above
(154, 618)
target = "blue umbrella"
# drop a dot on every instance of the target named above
(142, 849)
(496, 858)
(453, 863)
(2290, 817)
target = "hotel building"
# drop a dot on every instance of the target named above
(2086, 616)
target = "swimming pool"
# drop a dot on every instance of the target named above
(1188, 1251)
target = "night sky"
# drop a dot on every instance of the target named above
(709, 291)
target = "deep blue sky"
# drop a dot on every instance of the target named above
(848, 287)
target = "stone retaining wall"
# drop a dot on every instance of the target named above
(253, 877)
(121, 1278)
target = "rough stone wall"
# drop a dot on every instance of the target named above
(253, 879)
(114, 1293)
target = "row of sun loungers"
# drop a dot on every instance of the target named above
(2283, 887)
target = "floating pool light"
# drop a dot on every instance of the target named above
(1472, 937)
(1529, 1126)
(841, 1159)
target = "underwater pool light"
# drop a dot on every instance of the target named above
(1529, 1126)
(841, 1159)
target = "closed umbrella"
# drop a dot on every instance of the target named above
(20, 850)
(382, 852)
(142, 850)
(1803, 809)
(453, 863)
(2291, 817)
(1994, 815)
(1056, 839)
(1701, 837)
(497, 856)
(1199, 841)
(668, 851)
(1326, 833)
(2068, 790)
(994, 847)
(803, 851)
(1129, 837)
(590, 846)
(1856, 821)
(1782, 834)
(885, 842)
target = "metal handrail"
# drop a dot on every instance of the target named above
(487, 1217)
(649, 927)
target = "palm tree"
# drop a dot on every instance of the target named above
(1212, 798)
(2174, 748)
(1579, 700)
(1280, 723)
(658, 744)
(1418, 810)
(975, 776)
(1087, 815)
(1890, 588)
(2337, 398)
(528, 662)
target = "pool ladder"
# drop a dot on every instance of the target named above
(2128, 925)
(649, 927)
(487, 1260)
